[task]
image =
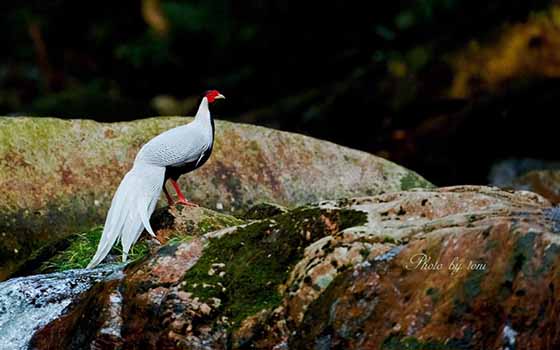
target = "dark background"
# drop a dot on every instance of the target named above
(445, 87)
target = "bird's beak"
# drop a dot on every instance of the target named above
(219, 96)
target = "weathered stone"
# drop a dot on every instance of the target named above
(346, 274)
(58, 176)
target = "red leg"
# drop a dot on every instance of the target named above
(180, 194)
(169, 199)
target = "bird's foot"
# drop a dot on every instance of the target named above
(186, 203)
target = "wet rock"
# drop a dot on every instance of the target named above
(58, 176)
(347, 274)
(28, 304)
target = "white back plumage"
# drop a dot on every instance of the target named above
(138, 193)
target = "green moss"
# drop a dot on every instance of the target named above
(389, 239)
(178, 239)
(21, 132)
(400, 342)
(244, 269)
(81, 250)
(252, 270)
(263, 211)
(215, 221)
(412, 180)
(351, 218)
(195, 222)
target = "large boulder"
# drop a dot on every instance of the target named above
(452, 268)
(58, 176)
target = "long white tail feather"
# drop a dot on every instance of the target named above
(144, 214)
(131, 208)
(134, 226)
(114, 221)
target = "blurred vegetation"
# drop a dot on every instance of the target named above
(427, 83)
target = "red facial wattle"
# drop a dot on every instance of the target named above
(212, 95)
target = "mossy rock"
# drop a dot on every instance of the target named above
(263, 211)
(173, 225)
(81, 248)
(413, 180)
(58, 176)
(245, 268)
(337, 274)
(187, 221)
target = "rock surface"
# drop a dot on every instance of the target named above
(29, 303)
(539, 176)
(544, 182)
(344, 274)
(58, 176)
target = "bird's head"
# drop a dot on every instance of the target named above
(212, 95)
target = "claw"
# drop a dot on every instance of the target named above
(186, 203)
(181, 196)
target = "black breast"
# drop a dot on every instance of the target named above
(175, 172)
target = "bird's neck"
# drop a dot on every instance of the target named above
(204, 118)
(203, 113)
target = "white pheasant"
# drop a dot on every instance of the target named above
(165, 157)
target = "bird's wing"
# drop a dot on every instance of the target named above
(176, 147)
(200, 158)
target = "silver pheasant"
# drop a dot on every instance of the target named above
(165, 157)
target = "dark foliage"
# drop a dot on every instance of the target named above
(364, 74)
